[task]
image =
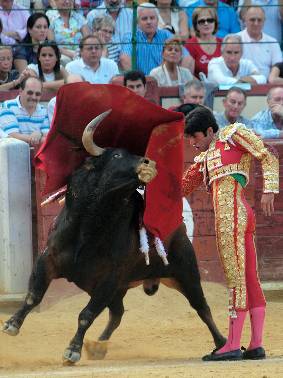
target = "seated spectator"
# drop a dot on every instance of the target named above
(172, 18)
(24, 118)
(273, 15)
(268, 123)
(136, 82)
(231, 68)
(194, 92)
(122, 16)
(150, 41)
(3, 134)
(26, 53)
(276, 74)
(204, 45)
(68, 28)
(14, 22)
(234, 103)
(170, 73)
(228, 21)
(92, 66)
(52, 103)
(48, 68)
(9, 78)
(264, 51)
(105, 27)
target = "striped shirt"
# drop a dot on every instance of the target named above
(15, 119)
(149, 54)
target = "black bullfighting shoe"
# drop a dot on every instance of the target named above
(234, 355)
(254, 354)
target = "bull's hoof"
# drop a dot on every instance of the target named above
(10, 328)
(70, 357)
(96, 350)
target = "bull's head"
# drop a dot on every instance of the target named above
(145, 168)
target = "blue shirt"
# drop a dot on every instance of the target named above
(149, 54)
(263, 124)
(222, 121)
(15, 119)
(228, 21)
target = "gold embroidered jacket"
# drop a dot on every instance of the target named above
(229, 153)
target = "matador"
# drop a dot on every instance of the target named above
(223, 165)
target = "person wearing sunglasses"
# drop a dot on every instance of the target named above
(204, 45)
(24, 118)
(262, 49)
(228, 20)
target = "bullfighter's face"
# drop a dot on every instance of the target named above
(200, 141)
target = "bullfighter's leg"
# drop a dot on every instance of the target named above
(42, 274)
(101, 296)
(185, 270)
(97, 350)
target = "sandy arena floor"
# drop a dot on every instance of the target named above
(160, 337)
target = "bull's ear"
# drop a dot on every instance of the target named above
(87, 138)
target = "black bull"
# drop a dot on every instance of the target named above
(95, 244)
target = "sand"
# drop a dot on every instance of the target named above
(160, 336)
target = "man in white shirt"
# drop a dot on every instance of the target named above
(92, 67)
(262, 49)
(231, 68)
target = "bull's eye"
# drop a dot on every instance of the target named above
(117, 156)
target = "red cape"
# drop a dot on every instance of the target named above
(135, 124)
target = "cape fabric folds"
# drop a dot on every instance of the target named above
(134, 124)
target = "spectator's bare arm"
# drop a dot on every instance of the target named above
(274, 76)
(125, 62)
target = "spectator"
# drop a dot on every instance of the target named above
(234, 103)
(105, 27)
(268, 123)
(259, 47)
(150, 41)
(170, 17)
(68, 28)
(92, 66)
(276, 74)
(231, 68)
(48, 68)
(136, 81)
(23, 117)
(194, 92)
(228, 21)
(26, 53)
(2, 134)
(122, 16)
(169, 73)
(204, 45)
(9, 78)
(52, 103)
(14, 21)
(273, 10)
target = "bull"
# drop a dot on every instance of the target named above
(95, 244)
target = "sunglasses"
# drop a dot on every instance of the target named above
(203, 21)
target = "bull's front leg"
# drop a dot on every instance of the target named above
(100, 298)
(42, 274)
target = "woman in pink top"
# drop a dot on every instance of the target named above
(204, 45)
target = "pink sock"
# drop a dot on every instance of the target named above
(257, 316)
(235, 331)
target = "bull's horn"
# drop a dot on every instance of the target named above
(87, 138)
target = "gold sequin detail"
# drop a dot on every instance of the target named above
(230, 224)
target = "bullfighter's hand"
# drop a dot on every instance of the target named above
(267, 203)
(147, 171)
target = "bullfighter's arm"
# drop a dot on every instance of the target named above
(267, 156)
(192, 179)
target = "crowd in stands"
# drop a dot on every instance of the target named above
(194, 44)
